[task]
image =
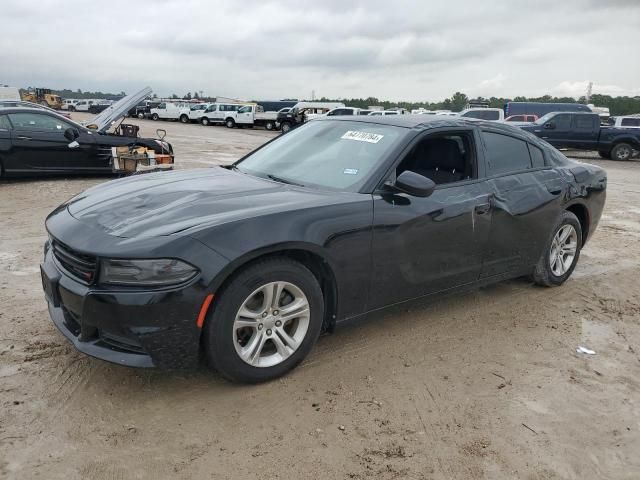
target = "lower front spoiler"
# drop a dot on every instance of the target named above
(96, 348)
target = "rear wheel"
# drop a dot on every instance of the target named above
(205, 121)
(561, 253)
(184, 118)
(230, 123)
(140, 115)
(621, 151)
(155, 116)
(269, 125)
(265, 321)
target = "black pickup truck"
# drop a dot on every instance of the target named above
(582, 131)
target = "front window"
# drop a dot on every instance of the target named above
(246, 109)
(331, 154)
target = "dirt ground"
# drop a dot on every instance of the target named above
(483, 386)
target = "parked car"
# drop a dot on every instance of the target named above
(98, 107)
(624, 122)
(38, 141)
(24, 104)
(521, 118)
(195, 113)
(582, 131)
(246, 265)
(302, 112)
(83, 105)
(68, 104)
(540, 109)
(143, 109)
(491, 114)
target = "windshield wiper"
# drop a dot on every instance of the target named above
(284, 180)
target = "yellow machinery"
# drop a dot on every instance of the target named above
(43, 96)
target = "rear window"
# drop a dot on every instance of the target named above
(583, 122)
(505, 154)
(537, 157)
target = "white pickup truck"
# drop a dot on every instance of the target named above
(170, 111)
(251, 115)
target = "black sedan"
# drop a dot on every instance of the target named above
(246, 265)
(37, 141)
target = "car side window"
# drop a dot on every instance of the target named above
(505, 154)
(630, 122)
(37, 121)
(583, 122)
(537, 157)
(4, 123)
(444, 158)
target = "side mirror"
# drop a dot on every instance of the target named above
(414, 184)
(550, 125)
(71, 134)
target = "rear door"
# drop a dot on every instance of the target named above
(585, 129)
(38, 143)
(526, 197)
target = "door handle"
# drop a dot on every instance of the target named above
(22, 137)
(482, 208)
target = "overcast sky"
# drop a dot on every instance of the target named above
(262, 49)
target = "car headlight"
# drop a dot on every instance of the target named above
(146, 272)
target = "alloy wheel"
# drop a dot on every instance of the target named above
(271, 324)
(563, 250)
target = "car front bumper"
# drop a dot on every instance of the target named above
(133, 328)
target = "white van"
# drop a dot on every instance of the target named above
(9, 93)
(169, 111)
(491, 114)
(220, 113)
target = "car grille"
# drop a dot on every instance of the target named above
(79, 265)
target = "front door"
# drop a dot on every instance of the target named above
(427, 245)
(38, 143)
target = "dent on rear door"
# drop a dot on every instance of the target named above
(525, 206)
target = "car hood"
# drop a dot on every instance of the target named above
(103, 121)
(168, 203)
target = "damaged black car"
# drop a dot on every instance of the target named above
(36, 141)
(243, 267)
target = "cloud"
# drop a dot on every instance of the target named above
(275, 49)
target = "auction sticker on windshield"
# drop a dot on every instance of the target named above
(362, 136)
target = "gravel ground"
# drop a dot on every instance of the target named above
(484, 385)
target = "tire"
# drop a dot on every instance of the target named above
(72, 108)
(205, 121)
(285, 127)
(155, 117)
(230, 122)
(140, 115)
(269, 126)
(621, 151)
(545, 273)
(606, 155)
(225, 340)
(184, 118)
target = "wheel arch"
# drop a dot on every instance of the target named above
(311, 256)
(581, 211)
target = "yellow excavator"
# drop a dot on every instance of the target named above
(43, 96)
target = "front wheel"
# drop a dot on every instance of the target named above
(265, 321)
(205, 121)
(269, 125)
(285, 127)
(155, 116)
(621, 151)
(561, 253)
(184, 118)
(230, 123)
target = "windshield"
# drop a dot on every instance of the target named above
(333, 154)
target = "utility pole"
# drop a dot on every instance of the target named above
(313, 95)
